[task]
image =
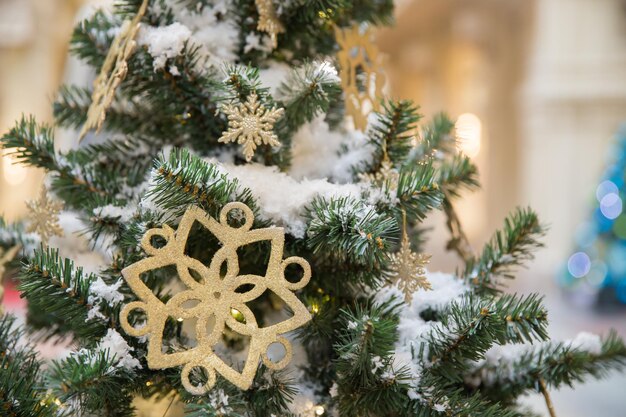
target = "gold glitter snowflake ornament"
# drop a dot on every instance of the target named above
(216, 291)
(251, 124)
(408, 271)
(113, 72)
(268, 21)
(362, 77)
(386, 175)
(44, 216)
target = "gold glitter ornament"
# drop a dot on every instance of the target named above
(362, 77)
(113, 72)
(217, 297)
(251, 124)
(407, 269)
(387, 174)
(44, 216)
(268, 21)
(6, 257)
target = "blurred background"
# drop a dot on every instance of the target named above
(538, 90)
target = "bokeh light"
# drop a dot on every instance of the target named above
(14, 174)
(605, 188)
(611, 206)
(579, 264)
(468, 132)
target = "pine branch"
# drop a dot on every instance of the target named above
(242, 81)
(59, 293)
(346, 229)
(557, 364)
(507, 249)
(183, 179)
(436, 140)
(307, 92)
(455, 402)
(271, 393)
(471, 326)
(14, 234)
(392, 133)
(418, 191)
(21, 389)
(90, 383)
(458, 239)
(91, 39)
(134, 119)
(33, 145)
(368, 385)
(457, 173)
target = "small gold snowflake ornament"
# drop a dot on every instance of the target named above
(113, 72)
(362, 77)
(268, 21)
(44, 216)
(386, 175)
(251, 124)
(407, 269)
(217, 295)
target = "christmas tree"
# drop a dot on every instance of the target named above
(596, 271)
(240, 231)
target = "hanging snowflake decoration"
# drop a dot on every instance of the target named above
(112, 72)
(386, 175)
(408, 271)
(219, 293)
(44, 216)
(251, 124)
(268, 21)
(362, 76)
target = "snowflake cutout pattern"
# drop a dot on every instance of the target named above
(251, 124)
(407, 270)
(216, 296)
(44, 216)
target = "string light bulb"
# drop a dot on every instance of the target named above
(319, 410)
(468, 132)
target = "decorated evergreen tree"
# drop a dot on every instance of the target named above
(595, 273)
(243, 234)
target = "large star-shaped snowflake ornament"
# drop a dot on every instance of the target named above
(44, 216)
(407, 270)
(215, 291)
(251, 124)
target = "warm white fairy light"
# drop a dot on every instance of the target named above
(14, 174)
(468, 132)
(319, 410)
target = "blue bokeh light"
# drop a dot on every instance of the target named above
(611, 206)
(579, 264)
(606, 187)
